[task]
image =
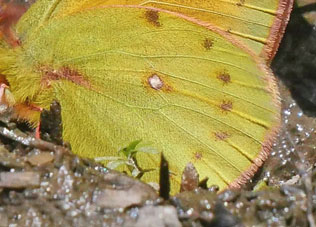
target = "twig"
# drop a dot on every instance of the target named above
(24, 139)
(309, 198)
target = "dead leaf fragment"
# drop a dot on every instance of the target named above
(40, 159)
(123, 192)
(159, 216)
(190, 178)
(19, 179)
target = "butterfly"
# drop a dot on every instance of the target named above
(124, 73)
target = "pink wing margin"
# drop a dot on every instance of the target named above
(277, 30)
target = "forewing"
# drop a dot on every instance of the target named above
(258, 24)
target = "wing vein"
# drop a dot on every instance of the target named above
(206, 11)
(204, 144)
(213, 118)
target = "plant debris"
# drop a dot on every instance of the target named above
(19, 180)
(190, 178)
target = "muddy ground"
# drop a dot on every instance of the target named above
(43, 184)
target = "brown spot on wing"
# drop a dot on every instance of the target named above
(221, 135)
(152, 17)
(226, 106)
(64, 73)
(224, 77)
(198, 156)
(240, 3)
(208, 43)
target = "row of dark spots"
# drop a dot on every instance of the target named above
(156, 82)
(218, 136)
(152, 17)
(223, 76)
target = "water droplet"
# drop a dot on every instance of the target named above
(190, 211)
(299, 127)
(287, 112)
(239, 205)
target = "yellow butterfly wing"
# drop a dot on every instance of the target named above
(258, 24)
(127, 73)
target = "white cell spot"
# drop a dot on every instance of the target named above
(155, 82)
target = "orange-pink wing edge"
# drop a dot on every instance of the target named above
(277, 30)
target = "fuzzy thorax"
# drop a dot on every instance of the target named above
(23, 83)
